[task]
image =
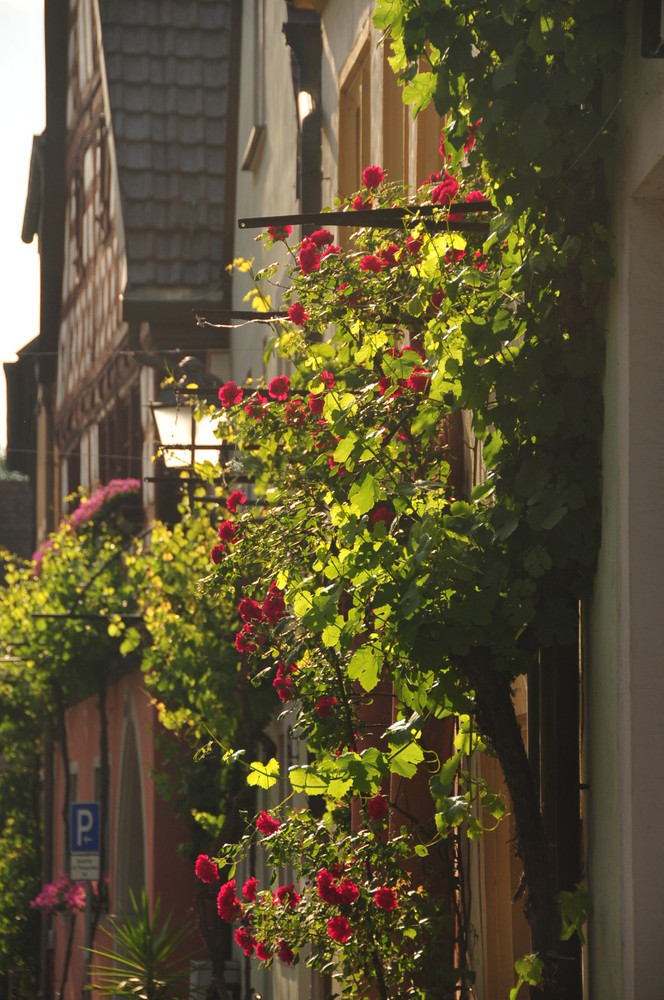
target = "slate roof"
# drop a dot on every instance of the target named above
(169, 66)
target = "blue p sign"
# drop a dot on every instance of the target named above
(85, 828)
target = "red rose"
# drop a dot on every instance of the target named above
(250, 610)
(443, 193)
(245, 940)
(243, 642)
(371, 263)
(274, 605)
(470, 141)
(262, 951)
(332, 250)
(348, 891)
(381, 512)
(316, 403)
(206, 870)
(339, 929)
(360, 203)
(327, 890)
(308, 257)
(227, 531)
(414, 245)
(419, 380)
(256, 406)
(372, 177)
(229, 394)
(321, 237)
(234, 498)
(287, 896)
(285, 952)
(478, 261)
(249, 889)
(297, 314)
(279, 232)
(385, 898)
(267, 824)
(437, 299)
(228, 905)
(388, 255)
(295, 413)
(278, 387)
(377, 807)
(217, 553)
(325, 706)
(327, 378)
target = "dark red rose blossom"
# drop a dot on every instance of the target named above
(332, 250)
(327, 890)
(227, 531)
(297, 314)
(274, 606)
(295, 414)
(479, 263)
(327, 378)
(316, 403)
(279, 232)
(309, 256)
(382, 512)
(243, 641)
(414, 245)
(470, 141)
(234, 498)
(388, 255)
(263, 952)
(206, 870)
(217, 553)
(371, 263)
(419, 380)
(377, 807)
(267, 824)
(360, 203)
(245, 940)
(288, 896)
(348, 891)
(256, 406)
(249, 889)
(285, 952)
(325, 706)
(321, 237)
(443, 193)
(228, 905)
(250, 610)
(372, 177)
(437, 298)
(278, 387)
(385, 898)
(339, 929)
(230, 394)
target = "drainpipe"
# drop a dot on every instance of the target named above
(303, 34)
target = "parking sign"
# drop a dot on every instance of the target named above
(84, 828)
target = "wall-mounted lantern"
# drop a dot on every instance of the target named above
(183, 439)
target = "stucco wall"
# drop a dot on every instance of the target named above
(625, 679)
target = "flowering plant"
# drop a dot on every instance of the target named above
(61, 896)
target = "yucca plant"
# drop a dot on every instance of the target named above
(147, 961)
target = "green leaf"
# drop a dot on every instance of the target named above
(530, 969)
(363, 495)
(304, 779)
(263, 775)
(365, 666)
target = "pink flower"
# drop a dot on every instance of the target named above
(228, 905)
(229, 394)
(245, 940)
(279, 232)
(288, 896)
(377, 807)
(325, 706)
(321, 238)
(267, 824)
(235, 498)
(385, 898)
(339, 929)
(217, 553)
(308, 257)
(371, 263)
(250, 610)
(372, 177)
(263, 952)
(285, 952)
(274, 605)
(278, 387)
(361, 204)
(297, 314)
(206, 870)
(227, 531)
(249, 889)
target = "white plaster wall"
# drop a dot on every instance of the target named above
(625, 668)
